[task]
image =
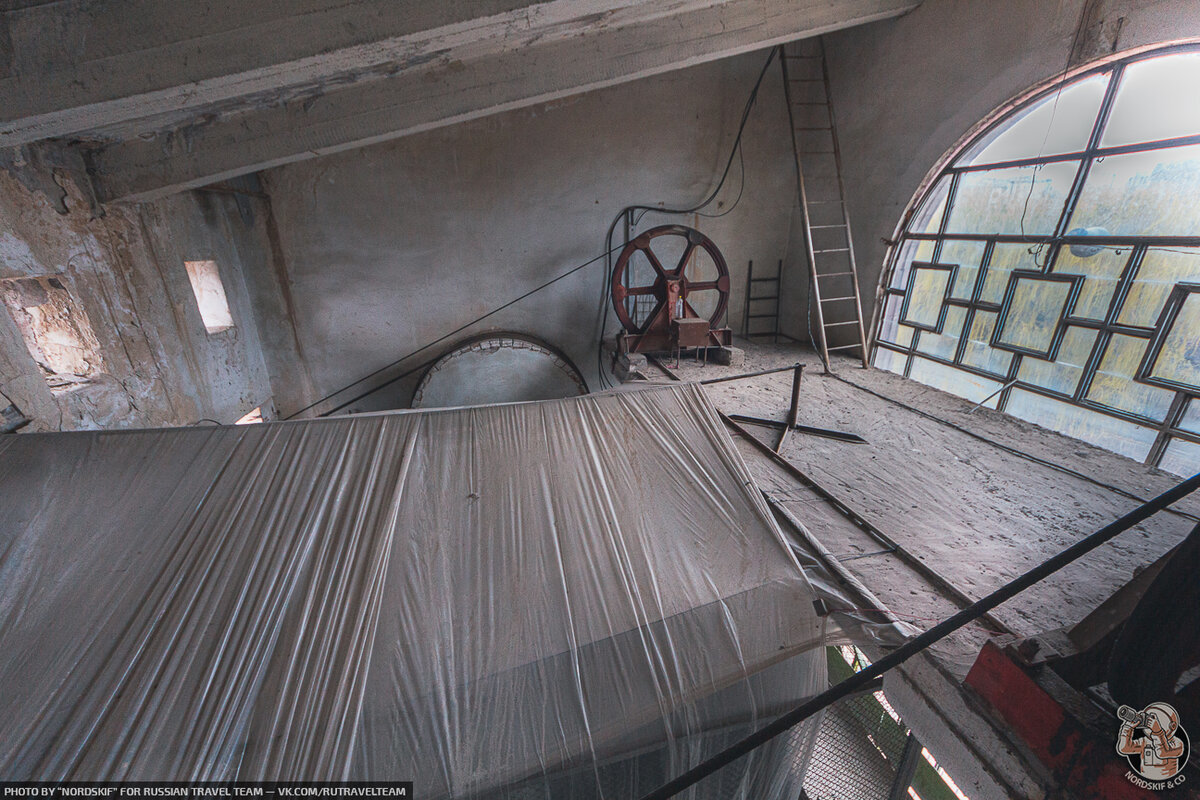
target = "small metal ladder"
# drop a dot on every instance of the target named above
(834, 288)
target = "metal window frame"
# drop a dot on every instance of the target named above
(1162, 329)
(912, 279)
(1167, 428)
(1074, 284)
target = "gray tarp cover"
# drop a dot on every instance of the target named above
(465, 598)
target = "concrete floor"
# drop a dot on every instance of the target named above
(979, 498)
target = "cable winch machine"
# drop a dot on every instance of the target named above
(670, 292)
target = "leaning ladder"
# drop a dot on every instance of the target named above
(834, 293)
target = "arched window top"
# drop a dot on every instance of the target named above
(1053, 267)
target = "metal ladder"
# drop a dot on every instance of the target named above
(747, 317)
(834, 294)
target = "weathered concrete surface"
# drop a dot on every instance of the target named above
(421, 81)
(906, 90)
(391, 247)
(125, 271)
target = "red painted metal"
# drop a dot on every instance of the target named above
(671, 290)
(1084, 764)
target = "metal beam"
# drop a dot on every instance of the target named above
(466, 83)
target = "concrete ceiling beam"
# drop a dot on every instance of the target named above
(467, 82)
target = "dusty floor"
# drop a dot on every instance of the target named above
(978, 498)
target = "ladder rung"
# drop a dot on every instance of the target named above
(765, 297)
(761, 316)
(822, 227)
(843, 347)
(763, 280)
(835, 324)
(824, 202)
(835, 299)
(833, 274)
(832, 250)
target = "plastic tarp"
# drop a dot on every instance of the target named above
(471, 599)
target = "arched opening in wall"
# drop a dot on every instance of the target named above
(500, 367)
(1052, 267)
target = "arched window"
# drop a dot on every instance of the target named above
(1054, 263)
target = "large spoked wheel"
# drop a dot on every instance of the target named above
(674, 282)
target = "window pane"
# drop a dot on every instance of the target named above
(1059, 123)
(1101, 268)
(980, 353)
(1026, 200)
(968, 255)
(928, 293)
(912, 250)
(1179, 357)
(1034, 313)
(890, 360)
(1156, 100)
(1061, 375)
(1102, 430)
(1160, 271)
(1181, 457)
(1005, 258)
(954, 381)
(944, 344)
(928, 218)
(891, 330)
(1191, 417)
(1152, 193)
(1114, 386)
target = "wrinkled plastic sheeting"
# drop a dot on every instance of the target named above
(467, 598)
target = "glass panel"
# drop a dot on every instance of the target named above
(1181, 457)
(1005, 258)
(1191, 417)
(1114, 386)
(891, 330)
(1061, 122)
(1034, 313)
(912, 250)
(929, 218)
(1179, 358)
(1152, 193)
(979, 352)
(1156, 100)
(1101, 268)
(1160, 271)
(928, 293)
(968, 255)
(945, 344)
(954, 381)
(1061, 375)
(890, 360)
(1025, 200)
(1102, 430)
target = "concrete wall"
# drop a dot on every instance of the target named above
(155, 363)
(906, 90)
(392, 246)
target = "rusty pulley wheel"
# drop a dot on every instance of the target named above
(669, 282)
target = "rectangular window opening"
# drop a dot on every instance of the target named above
(210, 295)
